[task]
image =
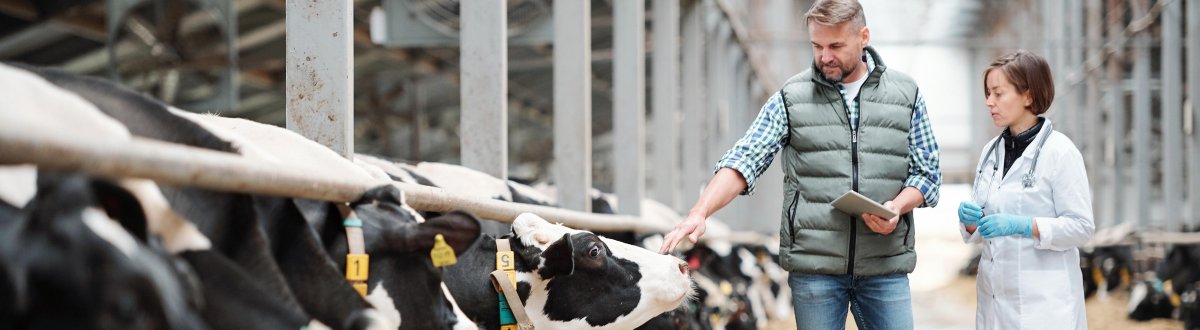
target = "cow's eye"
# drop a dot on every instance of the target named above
(595, 251)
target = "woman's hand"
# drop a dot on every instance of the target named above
(969, 213)
(1003, 224)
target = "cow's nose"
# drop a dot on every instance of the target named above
(683, 268)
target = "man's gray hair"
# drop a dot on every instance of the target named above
(836, 12)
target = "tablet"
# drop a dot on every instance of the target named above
(856, 204)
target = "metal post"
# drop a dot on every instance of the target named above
(694, 165)
(715, 54)
(1074, 50)
(573, 103)
(484, 86)
(1116, 115)
(666, 102)
(1095, 151)
(1141, 118)
(320, 72)
(1172, 105)
(629, 114)
(1193, 63)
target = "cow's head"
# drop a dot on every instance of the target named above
(580, 280)
(402, 279)
(77, 258)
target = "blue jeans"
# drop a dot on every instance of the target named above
(878, 302)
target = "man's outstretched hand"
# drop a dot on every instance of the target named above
(692, 228)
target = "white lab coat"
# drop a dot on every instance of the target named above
(1034, 283)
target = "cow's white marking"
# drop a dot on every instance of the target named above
(20, 184)
(663, 287)
(464, 180)
(379, 321)
(464, 322)
(317, 325)
(372, 170)
(387, 167)
(385, 313)
(35, 107)
(280, 146)
(178, 234)
(110, 231)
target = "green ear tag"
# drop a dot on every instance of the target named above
(442, 254)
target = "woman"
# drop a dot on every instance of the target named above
(1031, 206)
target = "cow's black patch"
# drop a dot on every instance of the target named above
(523, 291)
(235, 300)
(580, 268)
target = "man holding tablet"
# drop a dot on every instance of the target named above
(847, 123)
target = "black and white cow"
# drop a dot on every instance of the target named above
(64, 114)
(274, 240)
(571, 279)
(77, 256)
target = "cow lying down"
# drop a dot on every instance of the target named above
(571, 279)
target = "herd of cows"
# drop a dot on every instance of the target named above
(1165, 288)
(80, 251)
(1158, 288)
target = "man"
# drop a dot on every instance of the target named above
(848, 123)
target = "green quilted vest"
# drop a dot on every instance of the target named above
(824, 158)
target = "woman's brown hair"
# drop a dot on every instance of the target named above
(1028, 72)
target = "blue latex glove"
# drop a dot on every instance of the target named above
(969, 213)
(1003, 224)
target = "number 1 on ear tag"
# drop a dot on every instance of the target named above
(442, 254)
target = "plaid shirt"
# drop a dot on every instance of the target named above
(755, 151)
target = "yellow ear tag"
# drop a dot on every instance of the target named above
(442, 254)
(726, 288)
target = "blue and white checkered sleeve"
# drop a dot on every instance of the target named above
(753, 153)
(924, 171)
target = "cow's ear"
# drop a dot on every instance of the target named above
(459, 228)
(559, 258)
(122, 206)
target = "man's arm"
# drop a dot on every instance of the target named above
(721, 190)
(924, 171)
(736, 172)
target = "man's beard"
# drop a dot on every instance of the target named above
(837, 76)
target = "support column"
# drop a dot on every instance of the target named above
(1193, 63)
(484, 86)
(695, 166)
(1094, 157)
(320, 73)
(573, 103)
(666, 102)
(1074, 49)
(1172, 104)
(1141, 120)
(1116, 115)
(629, 107)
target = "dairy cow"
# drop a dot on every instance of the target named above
(571, 279)
(77, 256)
(282, 244)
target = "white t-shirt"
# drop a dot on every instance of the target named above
(851, 88)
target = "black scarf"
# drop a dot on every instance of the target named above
(1015, 146)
